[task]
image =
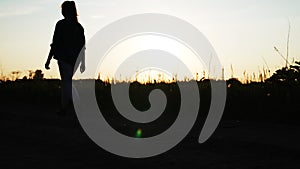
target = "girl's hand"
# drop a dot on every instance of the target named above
(47, 65)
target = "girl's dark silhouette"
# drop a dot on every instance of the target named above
(67, 45)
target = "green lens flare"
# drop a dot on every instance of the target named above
(138, 133)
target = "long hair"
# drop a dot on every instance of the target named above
(69, 11)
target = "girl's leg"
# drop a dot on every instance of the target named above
(66, 73)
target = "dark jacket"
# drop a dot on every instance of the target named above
(68, 40)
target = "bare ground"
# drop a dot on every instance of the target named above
(34, 137)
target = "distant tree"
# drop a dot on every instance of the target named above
(15, 75)
(233, 81)
(24, 78)
(289, 74)
(30, 74)
(38, 75)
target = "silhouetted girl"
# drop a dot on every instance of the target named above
(68, 41)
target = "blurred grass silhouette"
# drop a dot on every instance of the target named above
(270, 100)
(258, 129)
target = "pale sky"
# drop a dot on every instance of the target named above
(242, 32)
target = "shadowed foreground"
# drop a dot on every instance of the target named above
(32, 136)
